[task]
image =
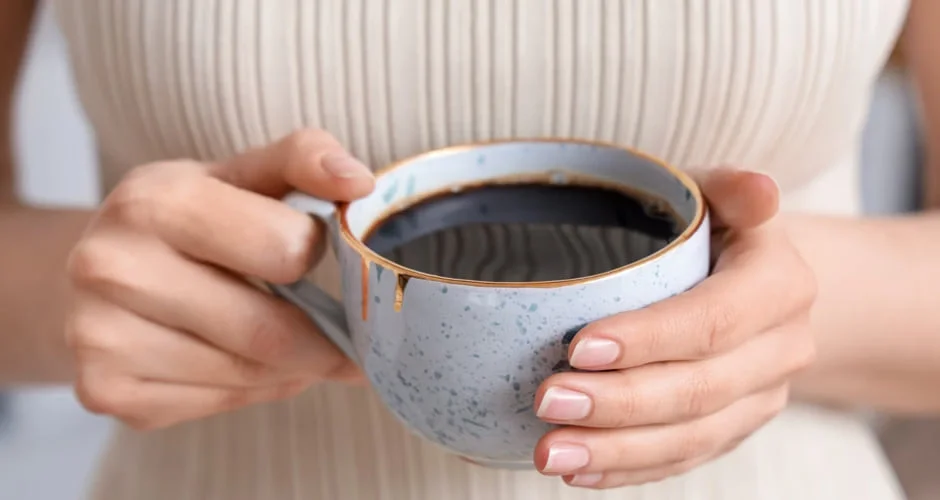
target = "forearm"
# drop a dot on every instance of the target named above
(34, 246)
(877, 318)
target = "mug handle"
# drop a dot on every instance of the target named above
(327, 313)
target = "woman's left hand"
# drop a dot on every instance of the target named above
(685, 380)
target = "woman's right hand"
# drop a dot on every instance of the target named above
(164, 326)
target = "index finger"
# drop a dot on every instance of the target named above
(758, 285)
(308, 160)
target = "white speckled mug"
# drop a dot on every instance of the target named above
(422, 339)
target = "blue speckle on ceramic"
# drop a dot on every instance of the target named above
(459, 362)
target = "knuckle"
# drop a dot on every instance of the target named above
(626, 406)
(304, 138)
(807, 284)
(85, 337)
(716, 320)
(133, 201)
(647, 330)
(303, 143)
(700, 394)
(151, 191)
(267, 340)
(623, 455)
(177, 194)
(799, 351)
(103, 395)
(85, 356)
(298, 251)
(93, 262)
(103, 265)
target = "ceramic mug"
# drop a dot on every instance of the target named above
(421, 339)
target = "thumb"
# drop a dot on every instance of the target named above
(308, 160)
(739, 199)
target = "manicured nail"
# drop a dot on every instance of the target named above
(585, 479)
(566, 458)
(344, 166)
(563, 405)
(594, 353)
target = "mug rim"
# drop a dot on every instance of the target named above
(368, 255)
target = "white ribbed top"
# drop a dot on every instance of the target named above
(777, 85)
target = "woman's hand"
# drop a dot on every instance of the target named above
(686, 380)
(164, 326)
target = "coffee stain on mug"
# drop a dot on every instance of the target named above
(365, 289)
(401, 283)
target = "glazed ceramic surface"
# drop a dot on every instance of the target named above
(458, 361)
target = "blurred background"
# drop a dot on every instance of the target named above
(49, 446)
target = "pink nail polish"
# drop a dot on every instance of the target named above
(564, 405)
(594, 353)
(565, 458)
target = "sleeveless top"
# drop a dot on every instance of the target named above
(780, 86)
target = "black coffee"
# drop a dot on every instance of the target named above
(525, 232)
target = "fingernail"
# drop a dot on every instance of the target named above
(565, 458)
(344, 166)
(562, 404)
(593, 353)
(586, 479)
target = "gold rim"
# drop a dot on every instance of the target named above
(368, 255)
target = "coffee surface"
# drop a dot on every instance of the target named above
(525, 232)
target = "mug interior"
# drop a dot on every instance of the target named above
(559, 162)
